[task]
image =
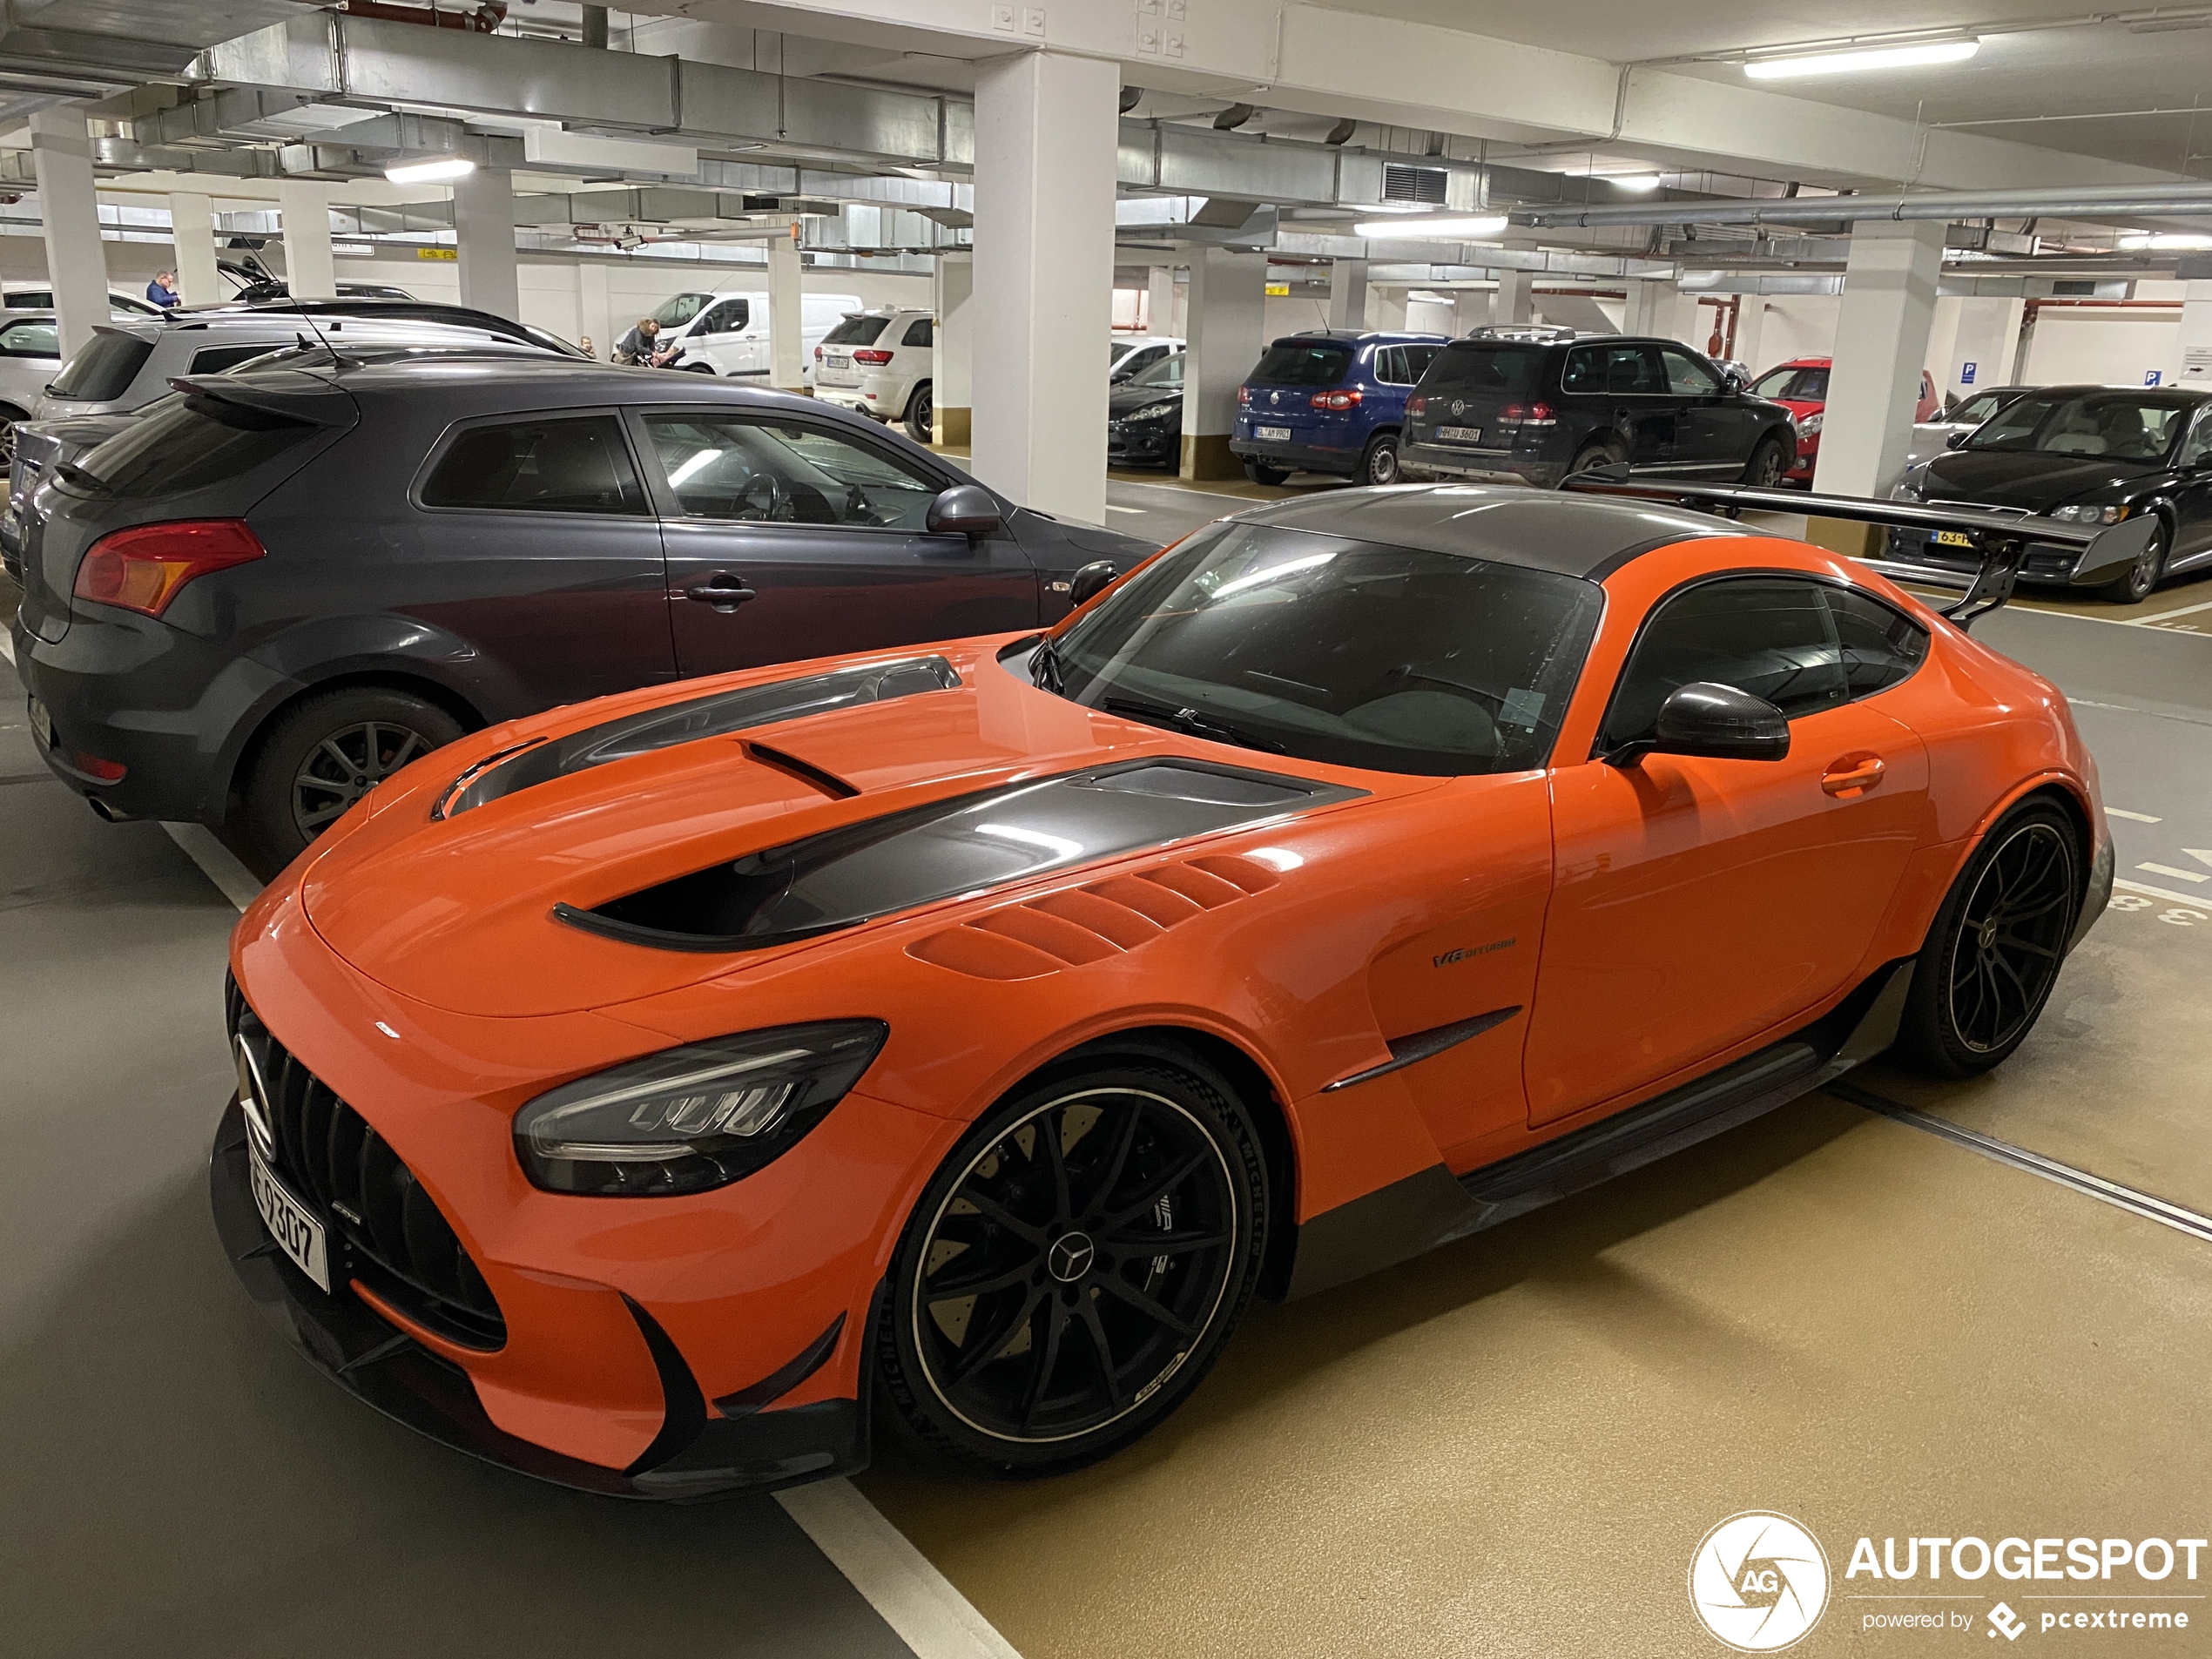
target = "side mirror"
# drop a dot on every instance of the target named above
(1957, 441)
(1091, 581)
(1719, 722)
(1733, 384)
(964, 510)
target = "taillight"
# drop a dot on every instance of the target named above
(106, 772)
(818, 353)
(877, 357)
(1335, 400)
(144, 567)
(1527, 414)
(1244, 394)
(1417, 406)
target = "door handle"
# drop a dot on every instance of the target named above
(722, 591)
(1852, 774)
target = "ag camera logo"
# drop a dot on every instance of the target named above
(1758, 1582)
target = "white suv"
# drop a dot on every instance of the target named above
(880, 362)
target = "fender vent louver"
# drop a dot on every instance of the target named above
(1091, 924)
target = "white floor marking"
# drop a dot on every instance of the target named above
(2182, 610)
(2199, 854)
(894, 1578)
(2133, 818)
(7, 647)
(2194, 900)
(1112, 508)
(912, 1597)
(2179, 875)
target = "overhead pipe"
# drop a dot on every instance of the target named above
(2179, 199)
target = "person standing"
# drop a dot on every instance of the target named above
(162, 290)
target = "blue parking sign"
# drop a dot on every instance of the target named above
(2150, 377)
(1966, 374)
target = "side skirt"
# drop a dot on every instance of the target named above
(1430, 1207)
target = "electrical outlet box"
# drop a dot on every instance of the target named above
(1003, 17)
(1033, 22)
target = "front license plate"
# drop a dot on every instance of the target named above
(1272, 434)
(1953, 538)
(1461, 433)
(42, 722)
(298, 1234)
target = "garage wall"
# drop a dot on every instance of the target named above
(2119, 348)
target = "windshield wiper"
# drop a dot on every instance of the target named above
(1200, 726)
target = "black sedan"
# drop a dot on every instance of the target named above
(2080, 455)
(1144, 417)
(261, 597)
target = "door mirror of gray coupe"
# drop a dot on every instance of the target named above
(964, 510)
(1716, 722)
(1733, 384)
(1091, 581)
(1957, 439)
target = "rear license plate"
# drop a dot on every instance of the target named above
(837, 363)
(42, 722)
(1953, 538)
(1272, 434)
(1461, 433)
(298, 1234)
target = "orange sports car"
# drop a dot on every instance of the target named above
(636, 1094)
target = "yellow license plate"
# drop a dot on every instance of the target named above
(1953, 538)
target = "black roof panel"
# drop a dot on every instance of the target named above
(1569, 534)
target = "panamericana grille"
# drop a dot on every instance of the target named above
(386, 1231)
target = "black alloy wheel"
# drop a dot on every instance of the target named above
(1997, 945)
(326, 753)
(1075, 1267)
(2143, 574)
(1380, 464)
(922, 411)
(1768, 463)
(8, 415)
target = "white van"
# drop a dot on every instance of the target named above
(727, 332)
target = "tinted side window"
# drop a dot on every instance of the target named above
(728, 318)
(1390, 366)
(1418, 358)
(1687, 376)
(1615, 370)
(786, 472)
(216, 359)
(575, 464)
(1768, 636)
(30, 339)
(1879, 646)
(922, 331)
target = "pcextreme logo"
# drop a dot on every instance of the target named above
(1759, 1582)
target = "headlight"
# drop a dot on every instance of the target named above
(2076, 514)
(1155, 412)
(1813, 422)
(688, 1119)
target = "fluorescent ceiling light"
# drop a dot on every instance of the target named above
(1632, 180)
(426, 172)
(1938, 51)
(2166, 239)
(1430, 230)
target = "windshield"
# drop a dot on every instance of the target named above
(1351, 653)
(104, 369)
(1166, 372)
(1798, 385)
(1979, 409)
(1299, 362)
(2122, 426)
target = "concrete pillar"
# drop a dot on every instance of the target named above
(1750, 328)
(1046, 127)
(61, 154)
(1650, 309)
(484, 235)
(1515, 303)
(1881, 342)
(595, 317)
(1348, 293)
(191, 230)
(786, 305)
(1470, 310)
(1989, 333)
(310, 270)
(1159, 300)
(1228, 329)
(1385, 307)
(953, 372)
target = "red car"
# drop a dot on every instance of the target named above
(1800, 386)
(636, 1094)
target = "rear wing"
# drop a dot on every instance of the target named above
(2002, 539)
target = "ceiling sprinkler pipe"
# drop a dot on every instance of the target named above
(2182, 199)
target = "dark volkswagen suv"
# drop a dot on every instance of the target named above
(1538, 404)
(266, 594)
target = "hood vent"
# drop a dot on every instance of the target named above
(964, 846)
(1091, 924)
(530, 765)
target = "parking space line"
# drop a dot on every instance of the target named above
(2178, 610)
(2179, 875)
(2133, 818)
(1112, 508)
(2195, 898)
(896, 1578)
(2134, 1201)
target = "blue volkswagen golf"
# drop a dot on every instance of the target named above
(1333, 400)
